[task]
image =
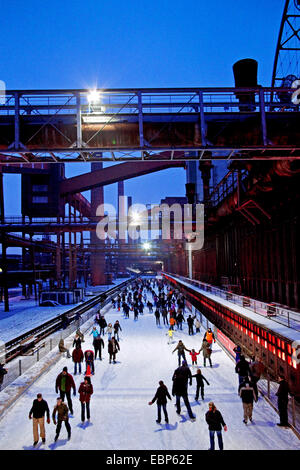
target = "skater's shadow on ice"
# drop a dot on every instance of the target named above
(84, 425)
(108, 377)
(268, 424)
(60, 443)
(167, 427)
(38, 447)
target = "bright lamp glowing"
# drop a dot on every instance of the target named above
(135, 218)
(93, 96)
(146, 246)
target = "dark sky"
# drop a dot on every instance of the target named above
(118, 44)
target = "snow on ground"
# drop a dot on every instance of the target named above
(121, 418)
(26, 314)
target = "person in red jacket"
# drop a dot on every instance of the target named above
(64, 383)
(85, 391)
(77, 356)
(194, 356)
(89, 360)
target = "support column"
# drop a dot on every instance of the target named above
(97, 261)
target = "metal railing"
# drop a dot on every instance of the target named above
(274, 312)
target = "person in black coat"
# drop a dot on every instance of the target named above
(190, 322)
(242, 369)
(215, 422)
(283, 399)
(200, 384)
(161, 396)
(181, 377)
(102, 324)
(98, 344)
(248, 395)
(38, 410)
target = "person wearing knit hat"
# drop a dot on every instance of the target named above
(64, 383)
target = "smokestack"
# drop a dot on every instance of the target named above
(245, 76)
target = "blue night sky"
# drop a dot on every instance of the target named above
(166, 43)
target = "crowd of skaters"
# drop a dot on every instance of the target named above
(167, 305)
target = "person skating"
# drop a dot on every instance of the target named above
(161, 396)
(200, 384)
(181, 377)
(197, 325)
(3, 372)
(206, 352)
(102, 325)
(215, 422)
(172, 322)
(157, 316)
(98, 344)
(85, 391)
(194, 355)
(38, 410)
(179, 319)
(89, 361)
(210, 337)
(170, 335)
(62, 417)
(81, 336)
(109, 331)
(190, 322)
(77, 356)
(242, 369)
(256, 369)
(238, 352)
(117, 328)
(282, 402)
(64, 383)
(180, 348)
(113, 348)
(77, 342)
(248, 395)
(62, 348)
(94, 332)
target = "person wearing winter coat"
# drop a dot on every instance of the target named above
(282, 402)
(206, 352)
(109, 330)
(94, 332)
(215, 422)
(242, 369)
(85, 391)
(161, 396)
(179, 319)
(172, 322)
(81, 336)
(248, 395)
(102, 324)
(256, 370)
(210, 337)
(181, 377)
(194, 355)
(77, 356)
(170, 335)
(62, 349)
(77, 342)
(200, 384)
(197, 325)
(113, 348)
(37, 412)
(190, 322)
(3, 372)
(238, 352)
(164, 314)
(62, 417)
(180, 348)
(64, 383)
(98, 344)
(157, 316)
(150, 306)
(89, 361)
(117, 327)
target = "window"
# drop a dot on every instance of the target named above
(40, 199)
(39, 188)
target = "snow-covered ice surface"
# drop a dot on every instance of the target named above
(121, 418)
(26, 314)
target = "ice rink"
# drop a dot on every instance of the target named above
(121, 418)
